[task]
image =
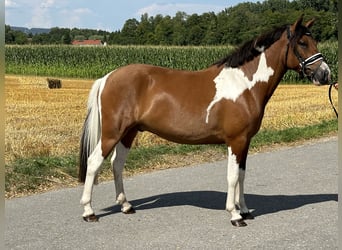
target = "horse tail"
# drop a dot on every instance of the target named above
(91, 131)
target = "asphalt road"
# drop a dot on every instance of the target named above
(291, 191)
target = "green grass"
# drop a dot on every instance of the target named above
(29, 174)
(269, 137)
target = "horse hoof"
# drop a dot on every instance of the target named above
(91, 218)
(131, 210)
(247, 216)
(238, 223)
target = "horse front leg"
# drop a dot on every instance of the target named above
(235, 177)
(118, 161)
(240, 196)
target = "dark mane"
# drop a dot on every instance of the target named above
(251, 49)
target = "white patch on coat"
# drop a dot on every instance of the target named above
(232, 82)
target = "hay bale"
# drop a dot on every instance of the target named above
(54, 83)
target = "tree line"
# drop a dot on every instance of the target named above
(232, 25)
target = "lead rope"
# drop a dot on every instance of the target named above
(331, 102)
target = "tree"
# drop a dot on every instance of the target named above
(66, 38)
(129, 31)
(209, 23)
(96, 37)
(154, 21)
(144, 30)
(179, 29)
(80, 38)
(115, 38)
(9, 36)
(164, 31)
(14, 36)
(195, 32)
(41, 39)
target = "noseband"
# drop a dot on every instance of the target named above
(304, 63)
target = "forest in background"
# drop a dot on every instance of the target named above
(232, 25)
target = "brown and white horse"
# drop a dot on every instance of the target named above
(224, 103)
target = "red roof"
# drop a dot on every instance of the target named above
(86, 42)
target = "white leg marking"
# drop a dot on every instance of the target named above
(118, 161)
(232, 82)
(239, 194)
(94, 162)
(232, 178)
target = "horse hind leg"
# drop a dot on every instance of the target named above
(118, 161)
(94, 162)
(96, 158)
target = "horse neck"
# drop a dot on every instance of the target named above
(275, 60)
(277, 56)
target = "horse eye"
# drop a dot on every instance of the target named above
(302, 44)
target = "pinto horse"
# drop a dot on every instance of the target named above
(224, 103)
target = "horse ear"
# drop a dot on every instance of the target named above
(310, 23)
(298, 22)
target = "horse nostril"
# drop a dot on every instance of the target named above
(326, 75)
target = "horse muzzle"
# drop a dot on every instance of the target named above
(322, 75)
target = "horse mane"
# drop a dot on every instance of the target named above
(251, 49)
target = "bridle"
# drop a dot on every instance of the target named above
(305, 63)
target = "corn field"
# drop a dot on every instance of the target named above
(94, 62)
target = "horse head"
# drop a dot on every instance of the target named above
(302, 54)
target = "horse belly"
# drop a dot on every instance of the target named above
(179, 123)
(188, 135)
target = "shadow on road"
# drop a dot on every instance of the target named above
(261, 204)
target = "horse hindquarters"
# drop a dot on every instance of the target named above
(94, 147)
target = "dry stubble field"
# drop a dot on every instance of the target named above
(42, 121)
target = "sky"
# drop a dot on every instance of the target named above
(109, 15)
